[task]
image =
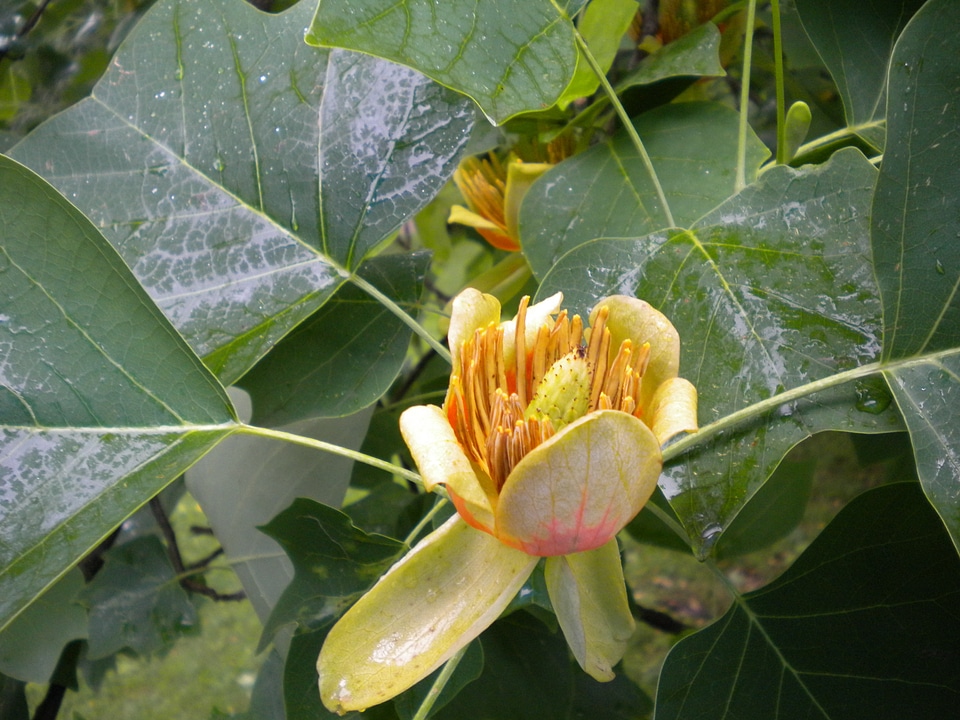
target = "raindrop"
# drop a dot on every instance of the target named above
(940, 268)
(709, 536)
(872, 396)
(178, 75)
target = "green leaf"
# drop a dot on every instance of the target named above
(769, 291)
(606, 192)
(696, 54)
(344, 357)
(13, 699)
(242, 174)
(334, 563)
(102, 403)
(865, 624)
(854, 39)
(30, 647)
(927, 393)
(914, 235)
(915, 223)
(247, 480)
(266, 700)
(135, 601)
(510, 56)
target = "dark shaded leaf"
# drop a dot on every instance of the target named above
(334, 563)
(855, 38)
(535, 677)
(467, 670)
(31, 646)
(865, 624)
(773, 511)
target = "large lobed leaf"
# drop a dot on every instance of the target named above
(102, 403)
(864, 625)
(914, 236)
(511, 56)
(244, 175)
(771, 290)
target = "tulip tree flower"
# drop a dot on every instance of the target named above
(548, 444)
(493, 194)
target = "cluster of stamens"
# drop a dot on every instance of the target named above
(484, 182)
(488, 403)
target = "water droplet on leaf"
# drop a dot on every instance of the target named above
(872, 396)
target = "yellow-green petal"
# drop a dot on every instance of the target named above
(459, 215)
(578, 489)
(520, 176)
(472, 309)
(433, 602)
(639, 321)
(589, 596)
(673, 409)
(441, 460)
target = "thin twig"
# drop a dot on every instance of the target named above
(176, 559)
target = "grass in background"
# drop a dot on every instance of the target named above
(214, 668)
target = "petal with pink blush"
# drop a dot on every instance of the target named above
(578, 489)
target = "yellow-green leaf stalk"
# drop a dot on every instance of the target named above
(548, 443)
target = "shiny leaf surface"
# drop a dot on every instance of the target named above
(102, 403)
(510, 56)
(928, 393)
(914, 236)
(864, 625)
(606, 192)
(771, 290)
(242, 174)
